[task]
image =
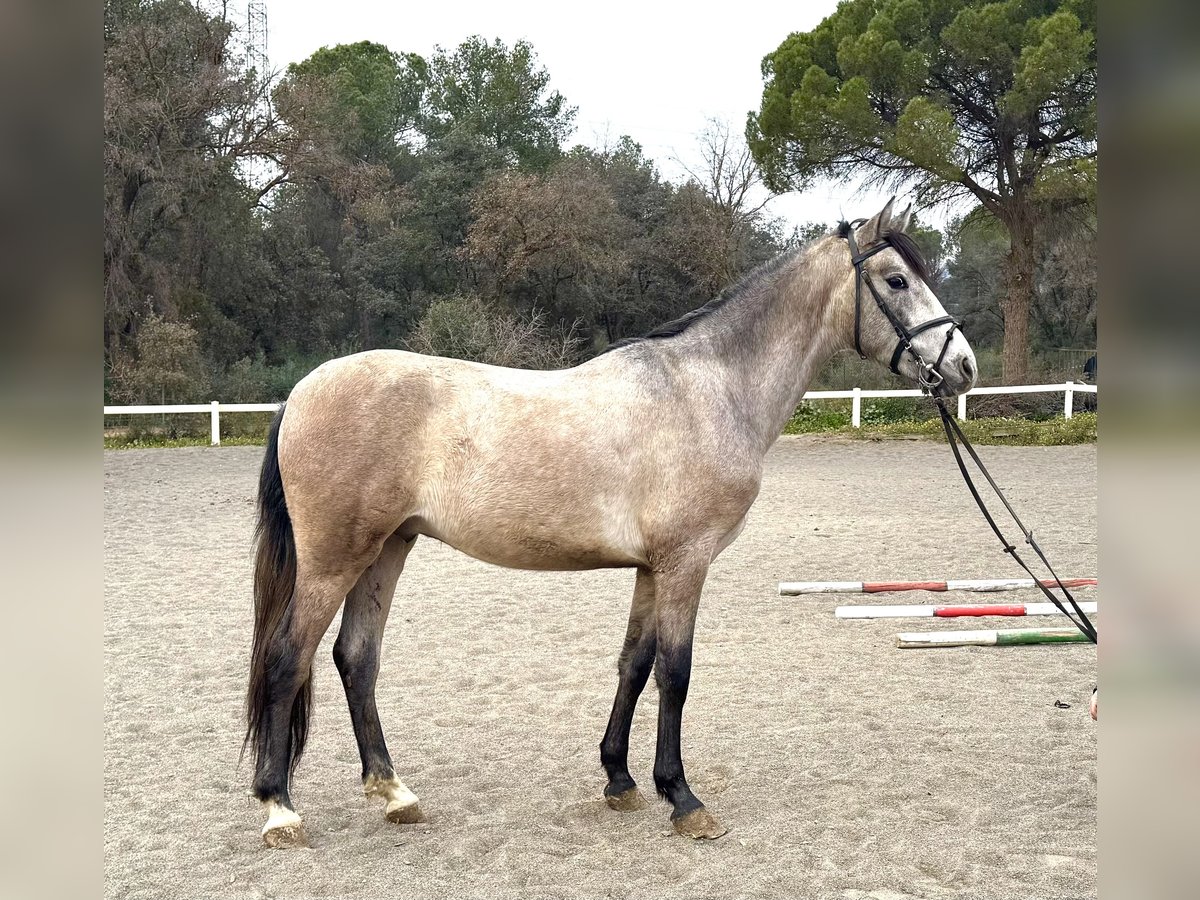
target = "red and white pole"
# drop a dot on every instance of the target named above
(952, 612)
(796, 588)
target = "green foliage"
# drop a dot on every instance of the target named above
(974, 286)
(927, 87)
(369, 96)
(169, 368)
(813, 416)
(161, 440)
(254, 381)
(1079, 429)
(251, 429)
(177, 117)
(500, 95)
(889, 410)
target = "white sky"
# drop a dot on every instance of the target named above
(644, 69)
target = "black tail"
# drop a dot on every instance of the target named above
(274, 586)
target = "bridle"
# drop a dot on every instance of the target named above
(930, 378)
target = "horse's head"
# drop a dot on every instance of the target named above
(898, 320)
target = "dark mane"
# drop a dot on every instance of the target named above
(903, 244)
(748, 283)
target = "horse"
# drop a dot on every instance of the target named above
(647, 456)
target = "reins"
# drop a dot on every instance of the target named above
(930, 378)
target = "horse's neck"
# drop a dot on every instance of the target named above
(773, 341)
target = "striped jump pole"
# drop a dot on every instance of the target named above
(1002, 637)
(954, 612)
(796, 588)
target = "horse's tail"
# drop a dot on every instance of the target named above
(274, 587)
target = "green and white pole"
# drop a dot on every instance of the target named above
(991, 637)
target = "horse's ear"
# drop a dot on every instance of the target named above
(875, 226)
(902, 221)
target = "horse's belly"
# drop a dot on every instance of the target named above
(551, 541)
(530, 551)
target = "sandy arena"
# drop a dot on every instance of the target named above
(843, 767)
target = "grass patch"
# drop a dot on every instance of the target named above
(998, 430)
(149, 441)
(812, 417)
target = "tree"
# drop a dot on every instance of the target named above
(647, 290)
(724, 221)
(1064, 307)
(551, 241)
(960, 97)
(179, 115)
(972, 288)
(169, 368)
(1064, 303)
(368, 98)
(502, 96)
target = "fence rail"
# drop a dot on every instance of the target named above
(1069, 389)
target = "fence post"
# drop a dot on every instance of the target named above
(856, 408)
(1068, 399)
(216, 423)
(962, 407)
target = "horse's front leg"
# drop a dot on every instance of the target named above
(677, 598)
(637, 658)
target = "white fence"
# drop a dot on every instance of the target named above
(1068, 389)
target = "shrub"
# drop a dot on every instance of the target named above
(464, 327)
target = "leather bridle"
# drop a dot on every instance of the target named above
(929, 375)
(930, 378)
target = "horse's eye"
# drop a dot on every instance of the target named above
(897, 283)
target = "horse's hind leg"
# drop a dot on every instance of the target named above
(287, 699)
(356, 654)
(637, 658)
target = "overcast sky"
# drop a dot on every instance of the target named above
(644, 69)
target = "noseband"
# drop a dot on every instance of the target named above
(929, 376)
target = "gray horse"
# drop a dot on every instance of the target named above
(648, 457)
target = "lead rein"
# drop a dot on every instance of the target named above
(954, 434)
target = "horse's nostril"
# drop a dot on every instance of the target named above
(968, 368)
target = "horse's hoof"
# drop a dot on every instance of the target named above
(401, 813)
(283, 837)
(626, 801)
(284, 828)
(699, 824)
